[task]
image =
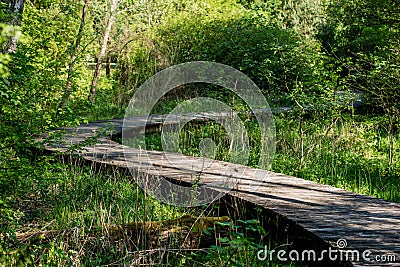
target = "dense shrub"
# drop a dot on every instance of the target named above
(280, 61)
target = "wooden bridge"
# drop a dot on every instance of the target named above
(365, 223)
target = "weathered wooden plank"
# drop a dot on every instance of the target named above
(328, 212)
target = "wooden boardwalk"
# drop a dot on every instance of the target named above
(366, 223)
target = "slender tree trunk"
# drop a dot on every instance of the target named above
(16, 8)
(96, 75)
(74, 53)
(108, 64)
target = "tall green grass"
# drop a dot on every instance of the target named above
(350, 152)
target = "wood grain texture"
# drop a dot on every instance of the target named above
(330, 213)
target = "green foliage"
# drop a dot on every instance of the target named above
(303, 16)
(238, 249)
(276, 59)
(363, 39)
(31, 92)
(4, 58)
(362, 25)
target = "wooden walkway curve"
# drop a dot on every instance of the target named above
(366, 223)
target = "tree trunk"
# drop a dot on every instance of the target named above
(74, 53)
(96, 75)
(16, 8)
(108, 65)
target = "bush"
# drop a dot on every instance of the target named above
(278, 60)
